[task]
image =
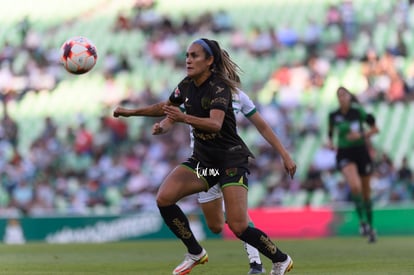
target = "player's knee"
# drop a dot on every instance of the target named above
(237, 228)
(215, 228)
(163, 200)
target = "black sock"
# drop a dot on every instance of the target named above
(258, 239)
(178, 223)
(368, 212)
(359, 206)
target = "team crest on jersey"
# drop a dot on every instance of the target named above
(177, 92)
(219, 90)
(231, 172)
(205, 103)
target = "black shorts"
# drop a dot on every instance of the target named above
(222, 176)
(358, 155)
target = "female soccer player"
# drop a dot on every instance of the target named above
(219, 155)
(211, 201)
(353, 158)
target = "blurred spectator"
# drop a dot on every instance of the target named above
(371, 69)
(336, 186)
(287, 36)
(281, 76)
(9, 129)
(402, 187)
(318, 70)
(324, 158)
(409, 81)
(311, 37)
(187, 26)
(122, 22)
(22, 196)
(7, 53)
(400, 48)
(348, 19)
(262, 42)
(164, 47)
(119, 130)
(333, 16)
(342, 49)
(309, 123)
(221, 22)
(396, 90)
(103, 136)
(24, 27)
(384, 175)
(312, 183)
(111, 63)
(238, 40)
(112, 93)
(81, 183)
(83, 140)
(401, 13)
(50, 128)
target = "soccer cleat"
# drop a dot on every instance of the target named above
(372, 236)
(364, 229)
(281, 268)
(256, 268)
(190, 261)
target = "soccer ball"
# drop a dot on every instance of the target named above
(78, 55)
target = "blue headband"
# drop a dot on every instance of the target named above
(205, 46)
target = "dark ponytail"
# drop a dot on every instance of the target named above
(225, 68)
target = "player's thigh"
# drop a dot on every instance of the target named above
(366, 187)
(179, 183)
(350, 172)
(235, 202)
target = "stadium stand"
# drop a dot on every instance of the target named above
(74, 100)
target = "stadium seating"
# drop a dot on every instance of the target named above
(84, 94)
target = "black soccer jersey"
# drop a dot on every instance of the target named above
(222, 149)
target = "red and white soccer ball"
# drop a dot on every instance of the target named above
(78, 55)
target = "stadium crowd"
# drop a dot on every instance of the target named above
(75, 170)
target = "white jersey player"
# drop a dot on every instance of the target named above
(211, 202)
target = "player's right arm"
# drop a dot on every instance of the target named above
(267, 133)
(154, 110)
(163, 126)
(157, 109)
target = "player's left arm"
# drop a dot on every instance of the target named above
(373, 129)
(266, 131)
(371, 121)
(211, 124)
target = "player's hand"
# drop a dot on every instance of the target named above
(119, 111)
(354, 136)
(157, 129)
(290, 166)
(173, 113)
(162, 127)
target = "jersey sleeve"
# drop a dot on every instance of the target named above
(247, 106)
(221, 97)
(367, 117)
(177, 96)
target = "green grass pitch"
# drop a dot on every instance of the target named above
(350, 256)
